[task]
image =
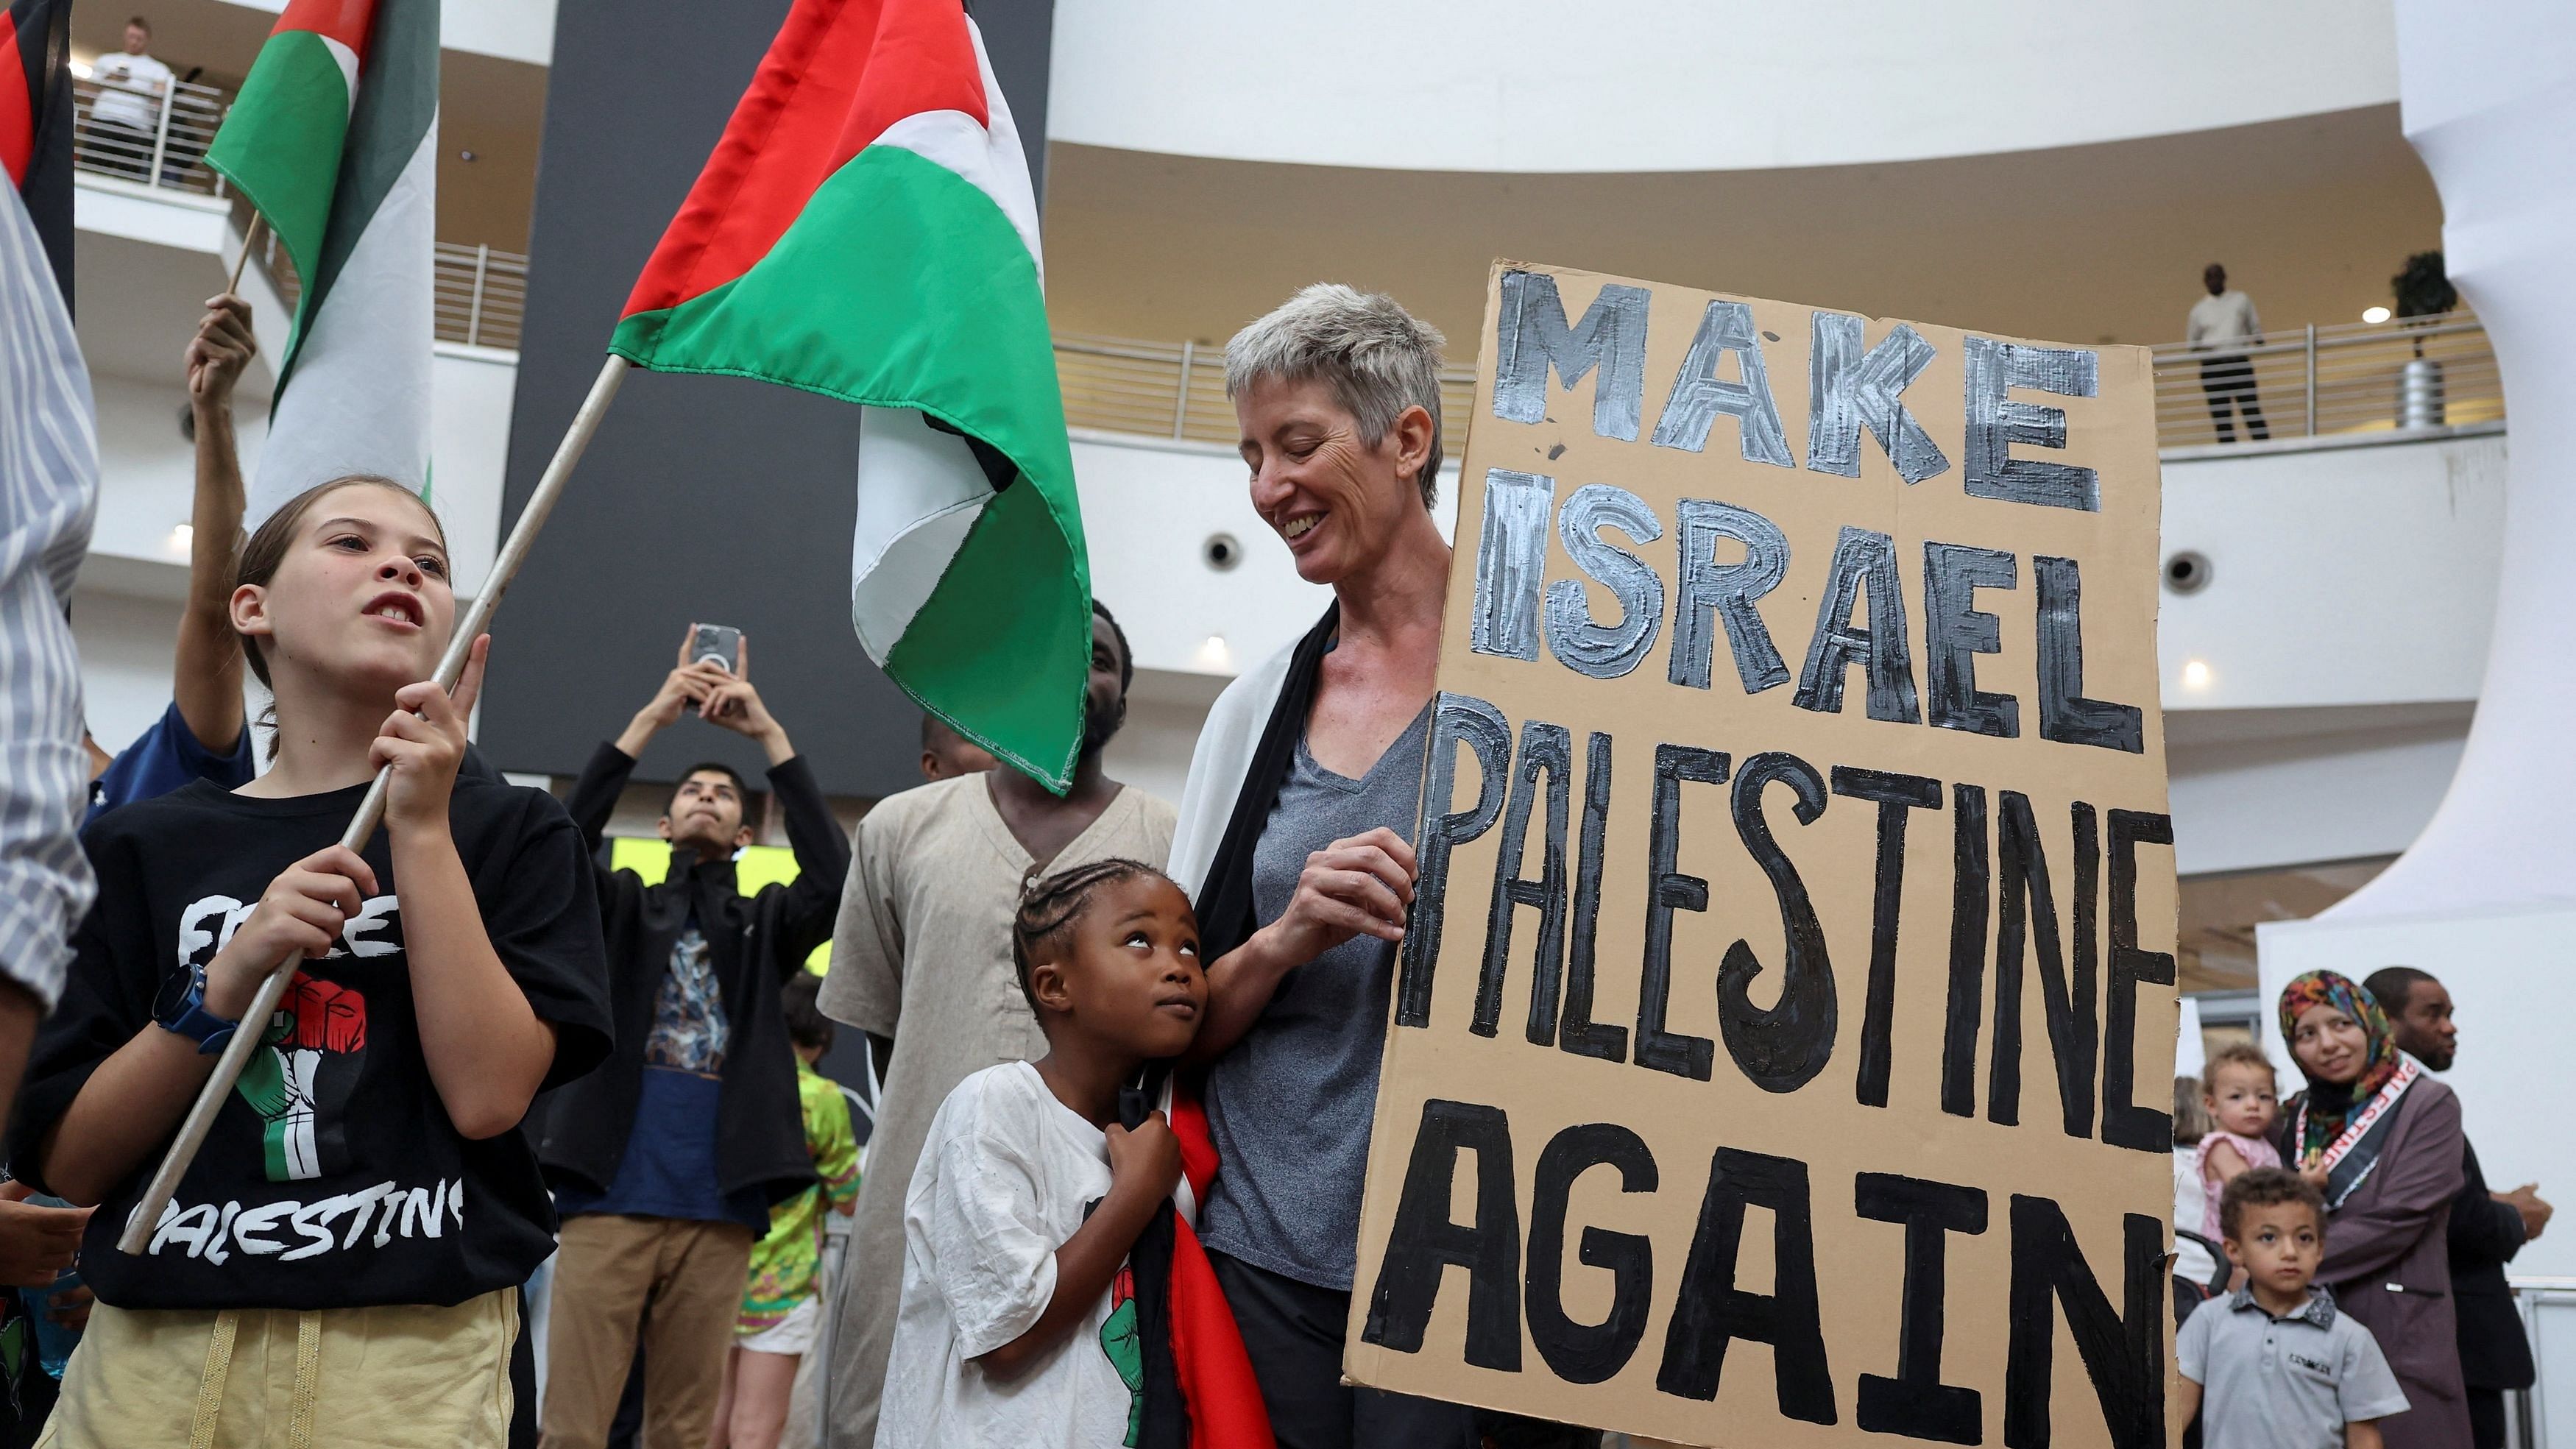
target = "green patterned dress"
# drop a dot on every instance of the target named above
(784, 1263)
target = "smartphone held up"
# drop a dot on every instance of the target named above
(717, 644)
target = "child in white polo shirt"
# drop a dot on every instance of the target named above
(2273, 1365)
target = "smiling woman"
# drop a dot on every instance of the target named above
(1294, 837)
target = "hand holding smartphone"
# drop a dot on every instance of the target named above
(719, 644)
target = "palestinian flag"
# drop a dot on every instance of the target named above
(866, 230)
(335, 141)
(36, 123)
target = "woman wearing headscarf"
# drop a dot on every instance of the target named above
(2382, 1140)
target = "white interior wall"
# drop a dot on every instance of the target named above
(127, 645)
(2310, 787)
(2338, 575)
(1662, 85)
(521, 30)
(147, 471)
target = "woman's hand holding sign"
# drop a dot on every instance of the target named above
(1361, 886)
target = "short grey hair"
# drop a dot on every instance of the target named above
(1379, 358)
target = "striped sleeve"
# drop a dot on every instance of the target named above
(48, 496)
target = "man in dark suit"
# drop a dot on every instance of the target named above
(2487, 1228)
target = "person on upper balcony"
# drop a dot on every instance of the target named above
(131, 88)
(2223, 325)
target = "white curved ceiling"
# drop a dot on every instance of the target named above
(1669, 85)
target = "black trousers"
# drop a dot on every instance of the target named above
(1294, 1332)
(2486, 1418)
(2229, 379)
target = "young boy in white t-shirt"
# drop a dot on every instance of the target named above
(1017, 1329)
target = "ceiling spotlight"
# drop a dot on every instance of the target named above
(2195, 675)
(467, 156)
(182, 536)
(1214, 655)
(2374, 315)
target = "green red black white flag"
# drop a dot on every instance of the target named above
(335, 139)
(866, 230)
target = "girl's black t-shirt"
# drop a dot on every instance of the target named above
(332, 1177)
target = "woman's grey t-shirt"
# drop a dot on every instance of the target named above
(1290, 1106)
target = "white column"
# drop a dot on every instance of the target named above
(2486, 897)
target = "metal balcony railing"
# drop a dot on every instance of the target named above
(479, 294)
(482, 295)
(1177, 390)
(2348, 379)
(2356, 379)
(157, 136)
(150, 135)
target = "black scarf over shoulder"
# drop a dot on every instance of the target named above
(1225, 912)
(1226, 921)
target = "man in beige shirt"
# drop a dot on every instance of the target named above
(921, 962)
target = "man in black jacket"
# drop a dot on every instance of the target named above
(2487, 1228)
(665, 1160)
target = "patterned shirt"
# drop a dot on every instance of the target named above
(783, 1264)
(689, 1028)
(669, 1168)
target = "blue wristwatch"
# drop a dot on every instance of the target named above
(182, 1010)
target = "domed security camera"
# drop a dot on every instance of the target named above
(1221, 552)
(2187, 572)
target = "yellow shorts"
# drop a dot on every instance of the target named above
(257, 1377)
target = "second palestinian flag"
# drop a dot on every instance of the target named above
(866, 230)
(335, 140)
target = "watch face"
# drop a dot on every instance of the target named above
(173, 1000)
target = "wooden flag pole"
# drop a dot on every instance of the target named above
(250, 243)
(237, 1049)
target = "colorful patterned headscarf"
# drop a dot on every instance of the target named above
(2330, 1106)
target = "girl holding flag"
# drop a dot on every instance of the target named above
(342, 1261)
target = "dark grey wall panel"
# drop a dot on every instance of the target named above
(702, 498)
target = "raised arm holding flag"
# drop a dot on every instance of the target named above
(866, 230)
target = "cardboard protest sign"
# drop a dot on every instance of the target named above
(1780, 1042)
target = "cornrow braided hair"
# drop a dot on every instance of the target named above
(1050, 908)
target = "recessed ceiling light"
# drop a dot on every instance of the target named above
(2374, 315)
(2195, 675)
